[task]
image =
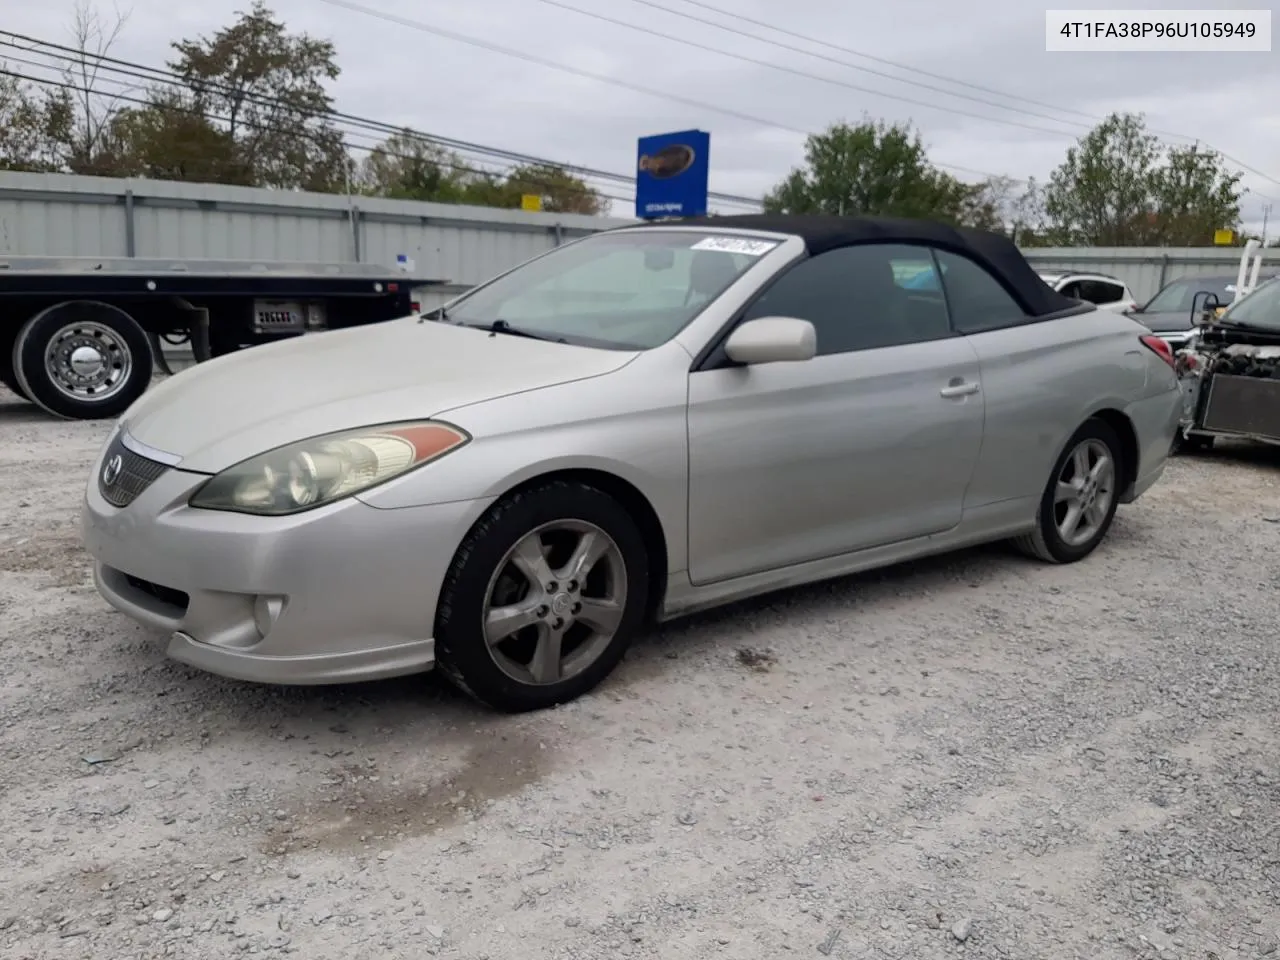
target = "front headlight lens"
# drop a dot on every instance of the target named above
(314, 472)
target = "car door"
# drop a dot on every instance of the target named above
(871, 442)
(1040, 379)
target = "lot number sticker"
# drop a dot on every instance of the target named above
(750, 248)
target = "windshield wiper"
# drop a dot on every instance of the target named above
(502, 326)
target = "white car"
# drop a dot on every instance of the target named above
(1104, 292)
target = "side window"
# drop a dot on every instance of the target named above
(861, 297)
(1100, 291)
(1071, 289)
(977, 300)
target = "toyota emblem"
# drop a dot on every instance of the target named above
(111, 472)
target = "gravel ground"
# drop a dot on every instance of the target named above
(977, 755)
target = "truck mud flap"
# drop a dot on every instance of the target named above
(1249, 406)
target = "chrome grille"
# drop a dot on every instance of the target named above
(124, 474)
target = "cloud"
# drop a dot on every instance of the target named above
(405, 76)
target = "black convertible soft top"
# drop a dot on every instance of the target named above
(824, 232)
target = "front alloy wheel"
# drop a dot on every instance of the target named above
(555, 602)
(543, 597)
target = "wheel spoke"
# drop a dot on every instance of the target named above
(1093, 515)
(1066, 492)
(529, 559)
(1080, 463)
(545, 665)
(1071, 522)
(502, 622)
(601, 615)
(589, 551)
(1101, 471)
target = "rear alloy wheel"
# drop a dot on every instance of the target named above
(82, 360)
(1080, 500)
(543, 598)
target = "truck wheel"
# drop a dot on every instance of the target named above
(82, 360)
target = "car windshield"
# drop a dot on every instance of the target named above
(1177, 297)
(630, 289)
(1260, 310)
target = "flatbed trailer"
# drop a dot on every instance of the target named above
(81, 336)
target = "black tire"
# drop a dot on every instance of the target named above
(123, 344)
(462, 652)
(1046, 541)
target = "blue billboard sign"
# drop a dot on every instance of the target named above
(671, 174)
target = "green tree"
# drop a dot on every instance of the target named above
(407, 167)
(33, 126)
(1118, 186)
(87, 140)
(873, 168)
(1194, 196)
(559, 190)
(171, 139)
(255, 97)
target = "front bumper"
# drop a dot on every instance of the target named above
(342, 593)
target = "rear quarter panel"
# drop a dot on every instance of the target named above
(1041, 382)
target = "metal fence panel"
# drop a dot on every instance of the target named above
(62, 215)
(1144, 269)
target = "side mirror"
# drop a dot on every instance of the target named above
(1208, 307)
(772, 340)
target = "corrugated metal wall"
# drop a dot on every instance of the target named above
(1144, 269)
(60, 215)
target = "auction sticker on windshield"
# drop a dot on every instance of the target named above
(743, 245)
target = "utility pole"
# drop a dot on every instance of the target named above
(1266, 215)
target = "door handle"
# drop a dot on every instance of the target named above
(958, 389)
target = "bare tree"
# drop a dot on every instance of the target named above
(95, 107)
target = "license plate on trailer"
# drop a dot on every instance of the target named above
(278, 315)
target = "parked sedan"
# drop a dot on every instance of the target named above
(647, 422)
(1176, 309)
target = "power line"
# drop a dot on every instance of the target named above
(155, 74)
(858, 53)
(597, 77)
(1093, 118)
(303, 134)
(809, 53)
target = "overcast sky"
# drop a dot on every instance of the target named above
(396, 73)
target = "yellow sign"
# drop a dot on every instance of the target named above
(1223, 238)
(531, 202)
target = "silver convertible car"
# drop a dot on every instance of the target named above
(650, 421)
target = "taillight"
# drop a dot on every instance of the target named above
(415, 307)
(1159, 347)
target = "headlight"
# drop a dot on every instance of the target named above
(314, 472)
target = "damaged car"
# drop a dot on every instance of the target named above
(1230, 373)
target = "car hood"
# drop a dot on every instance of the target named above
(223, 411)
(1178, 321)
